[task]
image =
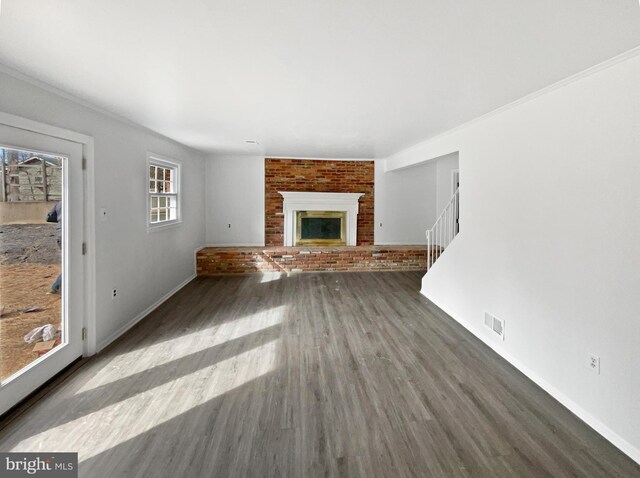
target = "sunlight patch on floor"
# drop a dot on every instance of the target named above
(139, 360)
(122, 421)
(270, 276)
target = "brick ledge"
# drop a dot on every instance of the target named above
(242, 260)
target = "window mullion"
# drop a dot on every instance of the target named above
(163, 206)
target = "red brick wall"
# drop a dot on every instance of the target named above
(301, 175)
(243, 260)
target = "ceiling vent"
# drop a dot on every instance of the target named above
(495, 324)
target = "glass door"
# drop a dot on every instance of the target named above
(41, 261)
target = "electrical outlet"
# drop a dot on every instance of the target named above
(594, 363)
(114, 293)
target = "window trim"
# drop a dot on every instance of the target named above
(164, 162)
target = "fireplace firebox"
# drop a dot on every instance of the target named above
(321, 228)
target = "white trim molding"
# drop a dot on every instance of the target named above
(418, 153)
(87, 143)
(314, 201)
(176, 166)
(623, 445)
(119, 332)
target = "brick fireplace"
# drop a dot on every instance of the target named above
(311, 175)
(285, 248)
(330, 205)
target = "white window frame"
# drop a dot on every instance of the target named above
(164, 162)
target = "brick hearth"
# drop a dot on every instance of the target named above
(242, 260)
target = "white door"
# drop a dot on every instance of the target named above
(23, 184)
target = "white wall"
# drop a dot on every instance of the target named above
(444, 166)
(235, 195)
(405, 203)
(142, 266)
(550, 203)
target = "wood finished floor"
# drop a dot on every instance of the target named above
(351, 374)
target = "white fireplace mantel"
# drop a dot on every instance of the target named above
(308, 201)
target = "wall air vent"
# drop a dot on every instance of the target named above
(495, 324)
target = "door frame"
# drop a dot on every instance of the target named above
(455, 185)
(87, 142)
(455, 180)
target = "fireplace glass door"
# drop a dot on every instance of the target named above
(321, 228)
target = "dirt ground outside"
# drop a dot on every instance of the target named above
(29, 264)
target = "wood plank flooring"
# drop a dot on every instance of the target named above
(352, 374)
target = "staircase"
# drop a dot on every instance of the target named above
(444, 230)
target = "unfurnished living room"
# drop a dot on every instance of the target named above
(350, 238)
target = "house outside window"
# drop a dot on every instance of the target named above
(163, 198)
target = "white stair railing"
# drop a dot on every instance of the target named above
(444, 230)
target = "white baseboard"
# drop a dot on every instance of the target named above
(615, 439)
(143, 314)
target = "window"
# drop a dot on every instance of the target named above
(164, 191)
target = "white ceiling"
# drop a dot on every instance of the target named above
(323, 78)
